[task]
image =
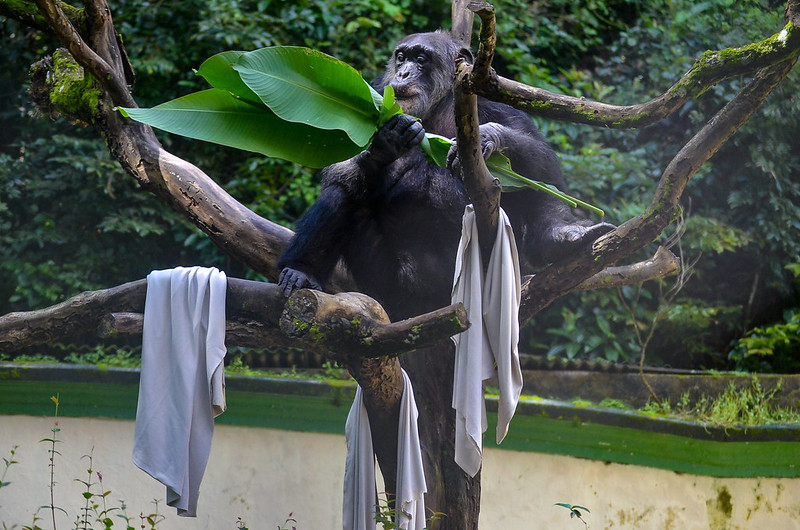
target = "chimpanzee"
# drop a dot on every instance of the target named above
(395, 219)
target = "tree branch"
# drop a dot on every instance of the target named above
(663, 263)
(248, 334)
(711, 68)
(330, 324)
(27, 12)
(461, 22)
(482, 70)
(539, 291)
(98, 66)
(80, 314)
(338, 323)
(482, 188)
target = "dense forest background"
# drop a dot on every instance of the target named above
(71, 220)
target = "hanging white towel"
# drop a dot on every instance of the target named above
(360, 493)
(182, 385)
(490, 344)
(501, 298)
(411, 485)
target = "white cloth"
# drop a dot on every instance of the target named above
(490, 344)
(411, 485)
(360, 491)
(182, 385)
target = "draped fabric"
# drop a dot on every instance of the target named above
(182, 382)
(489, 346)
(360, 494)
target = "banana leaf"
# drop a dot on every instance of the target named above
(214, 115)
(306, 86)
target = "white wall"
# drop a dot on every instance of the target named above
(261, 475)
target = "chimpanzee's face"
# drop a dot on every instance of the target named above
(421, 72)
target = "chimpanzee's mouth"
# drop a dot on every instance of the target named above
(405, 93)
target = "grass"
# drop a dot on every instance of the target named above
(745, 406)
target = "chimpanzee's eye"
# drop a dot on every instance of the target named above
(400, 57)
(421, 59)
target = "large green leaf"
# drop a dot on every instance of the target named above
(218, 71)
(437, 148)
(500, 167)
(306, 86)
(215, 115)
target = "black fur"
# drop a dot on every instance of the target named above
(395, 219)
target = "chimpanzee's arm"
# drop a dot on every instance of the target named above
(314, 250)
(321, 232)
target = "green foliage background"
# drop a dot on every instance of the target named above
(70, 220)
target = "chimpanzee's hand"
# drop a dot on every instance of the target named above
(394, 139)
(292, 279)
(491, 141)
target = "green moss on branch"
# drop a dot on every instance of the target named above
(60, 85)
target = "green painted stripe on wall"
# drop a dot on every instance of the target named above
(665, 451)
(326, 412)
(252, 409)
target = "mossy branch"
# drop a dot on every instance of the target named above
(27, 12)
(539, 291)
(663, 263)
(337, 325)
(100, 66)
(353, 326)
(709, 69)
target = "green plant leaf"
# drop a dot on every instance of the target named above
(302, 85)
(436, 147)
(500, 167)
(387, 105)
(215, 115)
(218, 71)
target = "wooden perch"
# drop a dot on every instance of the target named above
(248, 333)
(342, 324)
(255, 312)
(76, 316)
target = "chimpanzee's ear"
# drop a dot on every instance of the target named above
(465, 55)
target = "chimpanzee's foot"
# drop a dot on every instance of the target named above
(567, 239)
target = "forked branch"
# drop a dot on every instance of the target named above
(709, 69)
